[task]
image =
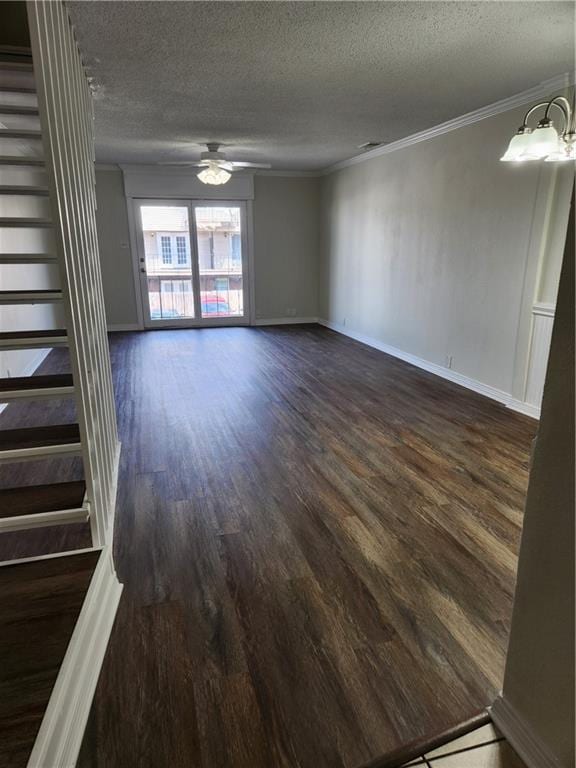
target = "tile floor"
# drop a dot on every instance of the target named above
(483, 748)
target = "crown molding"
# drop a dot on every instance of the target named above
(289, 174)
(107, 167)
(544, 89)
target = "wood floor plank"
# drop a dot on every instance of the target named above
(318, 544)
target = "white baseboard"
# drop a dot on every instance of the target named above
(60, 735)
(29, 369)
(124, 327)
(525, 408)
(284, 320)
(438, 370)
(521, 736)
(112, 497)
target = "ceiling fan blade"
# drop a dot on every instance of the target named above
(250, 165)
(181, 164)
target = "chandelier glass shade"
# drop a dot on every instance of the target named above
(213, 174)
(544, 142)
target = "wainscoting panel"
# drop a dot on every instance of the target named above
(542, 322)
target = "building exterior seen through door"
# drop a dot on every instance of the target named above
(192, 261)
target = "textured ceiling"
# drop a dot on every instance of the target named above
(302, 84)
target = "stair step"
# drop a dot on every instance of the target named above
(33, 339)
(21, 189)
(30, 297)
(18, 387)
(22, 221)
(21, 160)
(27, 258)
(20, 133)
(16, 89)
(39, 499)
(38, 506)
(15, 109)
(17, 66)
(39, 442)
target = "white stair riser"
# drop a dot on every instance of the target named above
(15, 99)
(32, 240)
(15, 79)
(20, 147)
(26, 122)
(44, 519)
(23, 176)
(33, 454)
(44, 343)
(25, 206)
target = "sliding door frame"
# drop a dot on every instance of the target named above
(137, 251)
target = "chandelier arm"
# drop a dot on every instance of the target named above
(566, 112)
(564, 105)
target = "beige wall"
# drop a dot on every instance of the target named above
(286, 230)
(286, 240)
(426, 249)
(539, 678)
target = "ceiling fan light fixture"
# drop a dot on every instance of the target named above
(214, 175)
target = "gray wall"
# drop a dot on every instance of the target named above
(425, 249)
(114, 245)
(539, 677)
(286, 231)
(286, 241)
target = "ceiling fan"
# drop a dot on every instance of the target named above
(217, 169)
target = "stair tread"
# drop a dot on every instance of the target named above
(29, 297)
(21, 160)
(36, 499)
(23, 189)
(17, 109)
(39, 294)
(16, 89)
(27, 383)
(17, 66)
(39, 437)
(31, 257)
(25, 221)
(9, 335)
(20, 133)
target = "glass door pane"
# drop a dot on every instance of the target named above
(167, 262)
(220, 260)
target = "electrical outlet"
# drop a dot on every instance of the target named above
(449, 359)
(343, 321)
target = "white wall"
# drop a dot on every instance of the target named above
(286, 231)
(426, 250)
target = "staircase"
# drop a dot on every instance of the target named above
(51, 298)
(25, 209)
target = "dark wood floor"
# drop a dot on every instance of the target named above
(39, 606)
(318, 545)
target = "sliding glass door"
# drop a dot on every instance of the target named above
(193, 268)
